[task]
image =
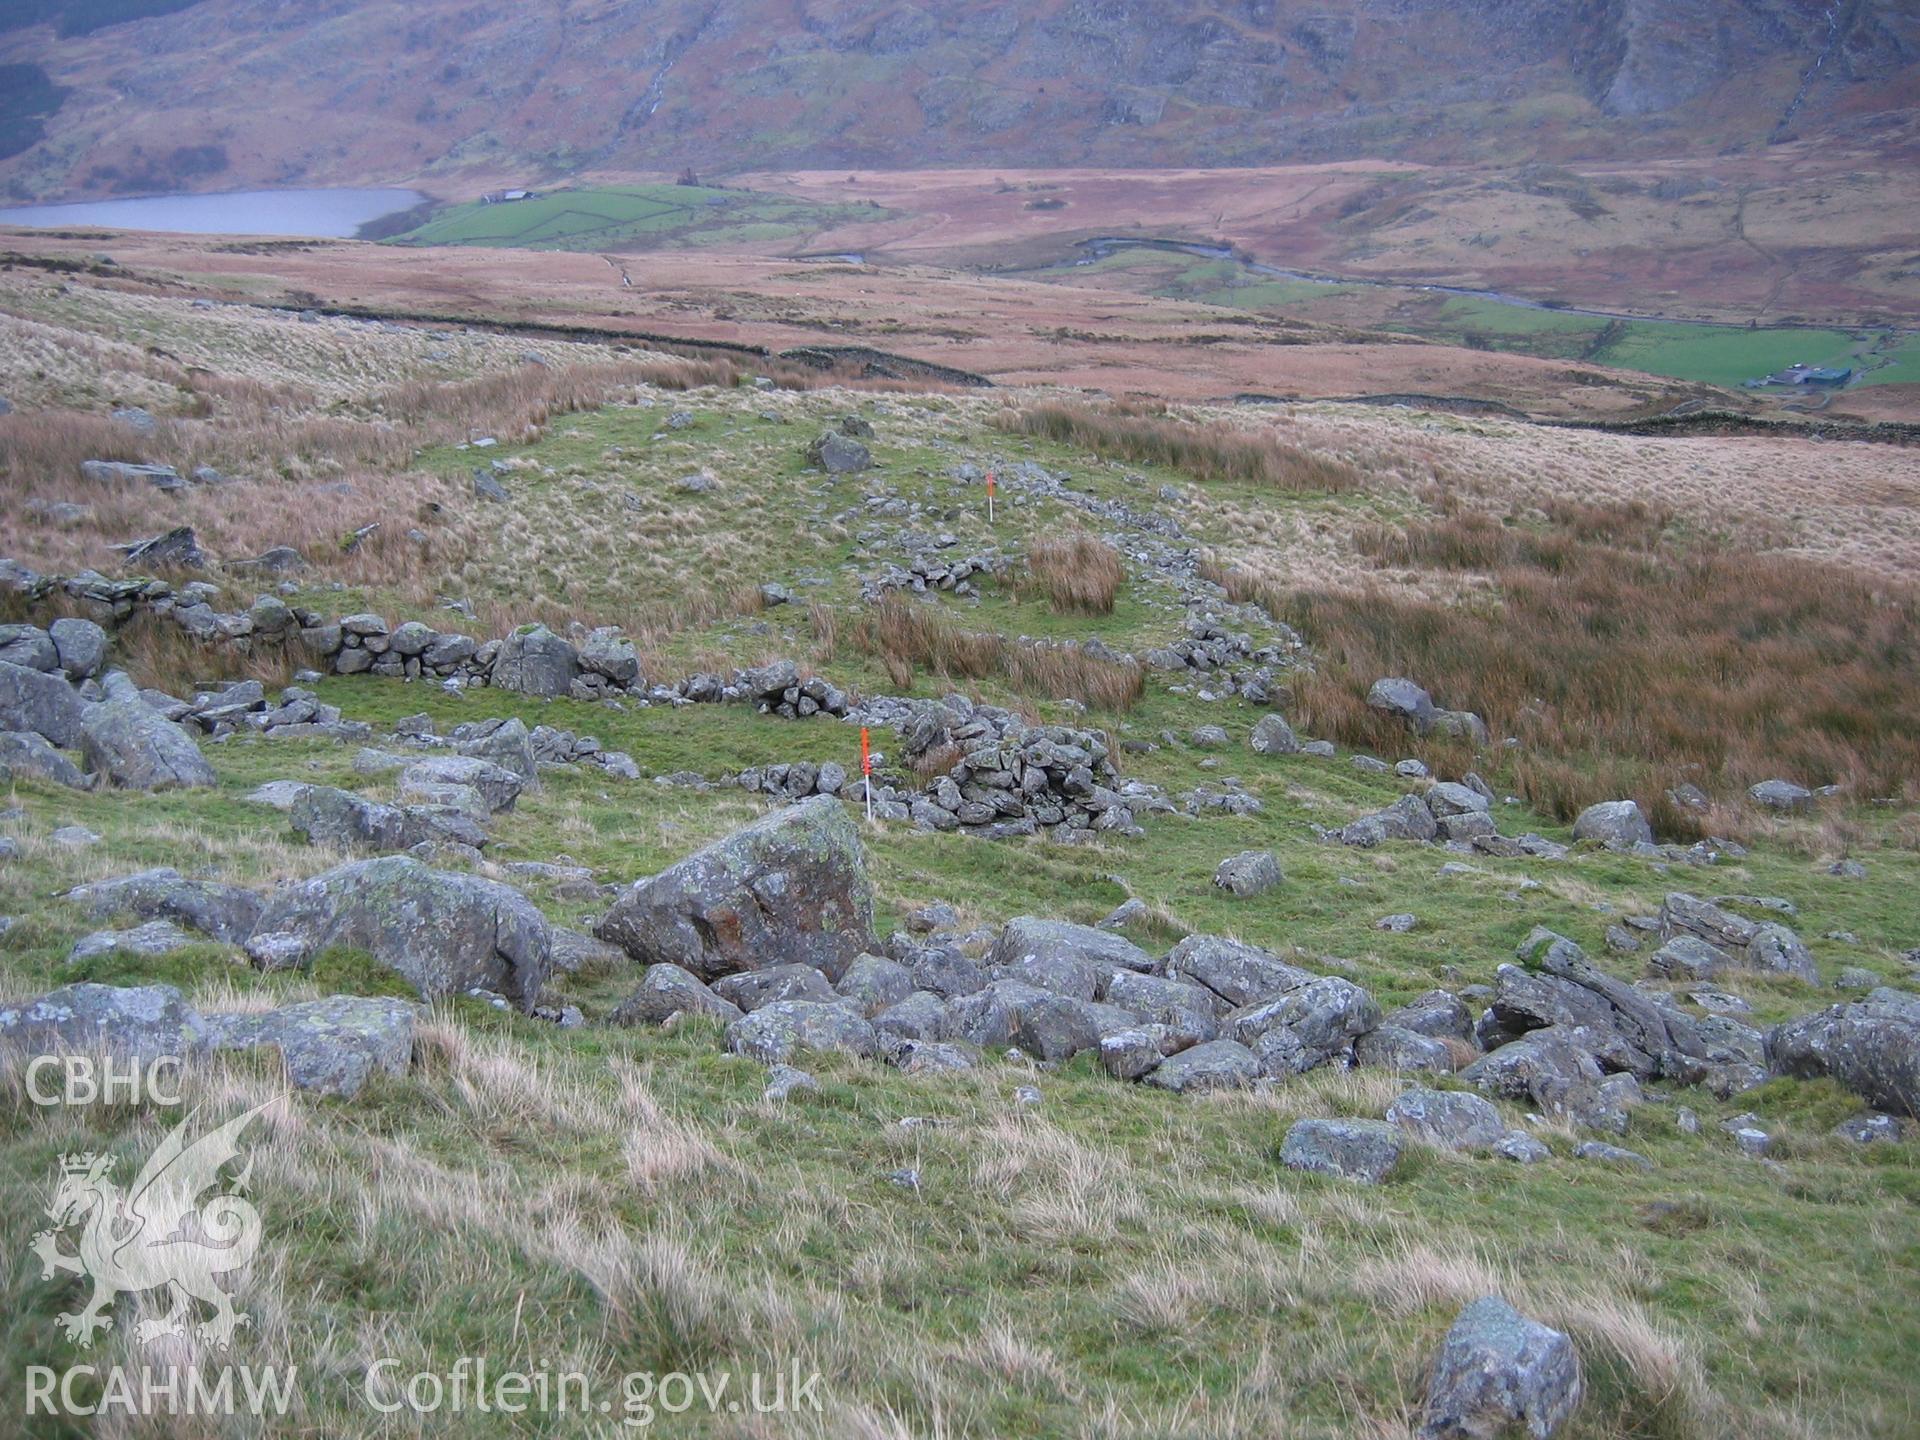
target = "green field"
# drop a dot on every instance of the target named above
(634, 216)
(1716, 354)
(1680, 350)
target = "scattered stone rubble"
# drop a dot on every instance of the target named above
(770, 931)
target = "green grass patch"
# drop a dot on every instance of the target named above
(634, 216)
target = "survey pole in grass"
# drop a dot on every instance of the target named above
(866, 770)
(989, 497)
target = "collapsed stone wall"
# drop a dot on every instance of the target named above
(597, 664)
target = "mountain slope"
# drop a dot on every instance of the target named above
(233, 92)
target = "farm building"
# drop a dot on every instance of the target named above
(1805, 375)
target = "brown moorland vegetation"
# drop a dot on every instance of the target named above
(905, 636)
(1206, 452)
(1625, 661)
(1079, 574)
(1014, 331)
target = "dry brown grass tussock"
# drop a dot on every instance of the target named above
(1079, 574)
(1626, 661)
(1212, 451)
(906, 636)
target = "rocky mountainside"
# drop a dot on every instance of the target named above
(224, 93)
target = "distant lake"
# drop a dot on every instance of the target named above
(330, 214)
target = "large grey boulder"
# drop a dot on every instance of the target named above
(81, 646)
(791, 886)
(1403, 700)
(28, 646)
(1250, 873)
(1687, 957)
(1130, 1054)
(774, 1033)
(1184, 1008)
(1499, 1373)
(1614, 822)
(1872, 1047)
(1450, 1119)
(508, 745)
(124, 472)
(1682, 914)
(331, 1046)
(226, 912)
(497, 785)
(579, 954)
(345, 821)
(446, 933)
(27, 754)
(1362, 1150)
(1438, 1013)
(45, 705)
(838, 455)
(1780, 795)
(945, 971)
(1217, 1065)
(148, 941)
(535, 661)
(875, 983)
(1056, 955)
(1450, 800)
(145, 1022)
(1546, 1069)
(1777, 949)
(668, 990)
(610, 654)
(136, 747)
(921, 1016)
(1239, 974)
(1273, 736)
(1043, 1023)
(1408, 818)
(1390, 1047)
(1305, 1028)
(751, 989)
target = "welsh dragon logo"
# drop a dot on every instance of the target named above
(157, 1232)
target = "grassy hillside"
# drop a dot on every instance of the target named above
(1109, 1261)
